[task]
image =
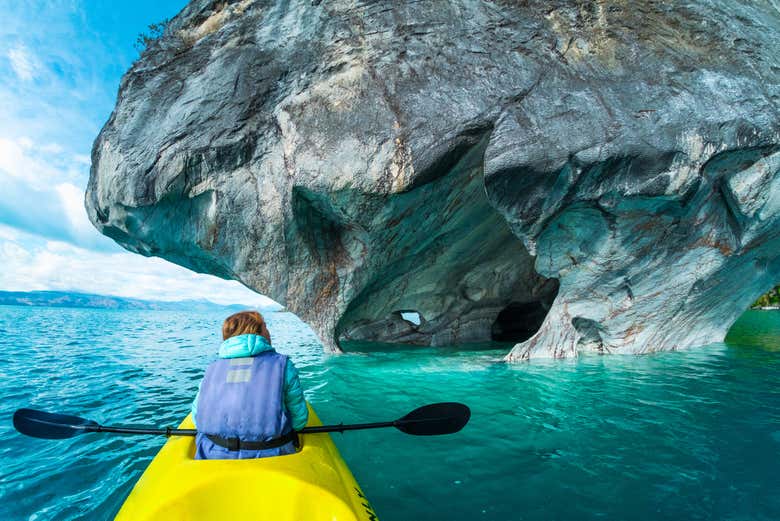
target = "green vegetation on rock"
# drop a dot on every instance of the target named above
(156, 31)
(770, 298)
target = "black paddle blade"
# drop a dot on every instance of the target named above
(39, 424)
(435, 419)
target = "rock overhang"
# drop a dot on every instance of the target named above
(388, 157)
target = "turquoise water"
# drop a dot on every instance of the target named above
(681, 435)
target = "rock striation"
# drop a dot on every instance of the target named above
(569, 176)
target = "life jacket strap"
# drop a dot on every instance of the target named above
(236, 444)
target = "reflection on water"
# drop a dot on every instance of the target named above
(756, 328)
(692, 434)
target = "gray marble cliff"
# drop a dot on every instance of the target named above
(569, 176)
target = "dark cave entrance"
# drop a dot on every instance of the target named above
(518, 322)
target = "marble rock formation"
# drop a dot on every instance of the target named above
(568, 176)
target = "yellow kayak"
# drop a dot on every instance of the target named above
(313, 484)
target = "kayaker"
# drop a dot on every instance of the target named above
(250, 401)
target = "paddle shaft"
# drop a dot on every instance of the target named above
(306, 430)
(361, 426)
(341, 427)
(192, 432)
(134, 430)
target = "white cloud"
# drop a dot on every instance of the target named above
(72, 200)
(54, 265)
(39, 194)
(21, 159)
(8, 233)
(24, 64)
(13, 254)
(83, 159)
(52, 148)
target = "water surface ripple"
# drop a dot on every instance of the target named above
(680, 435)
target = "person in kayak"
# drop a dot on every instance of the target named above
(250, 401)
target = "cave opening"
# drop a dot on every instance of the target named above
(413, 317)
(453, 275)
(518, 321)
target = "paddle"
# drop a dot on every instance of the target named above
(428, 420)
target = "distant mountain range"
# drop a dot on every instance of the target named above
(67, 299)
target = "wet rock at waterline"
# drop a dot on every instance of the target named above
(566, 176)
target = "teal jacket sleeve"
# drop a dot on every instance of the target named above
(294, 400)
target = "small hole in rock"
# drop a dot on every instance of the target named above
(412, 317)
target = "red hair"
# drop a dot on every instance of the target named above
(245, 323)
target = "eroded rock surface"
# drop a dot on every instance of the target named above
(605, 170)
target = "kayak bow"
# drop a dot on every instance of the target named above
(313, 484)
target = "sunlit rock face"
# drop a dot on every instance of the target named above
(569, 177)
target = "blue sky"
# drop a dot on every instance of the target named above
(60, 66)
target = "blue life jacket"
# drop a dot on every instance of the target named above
(243, 398)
